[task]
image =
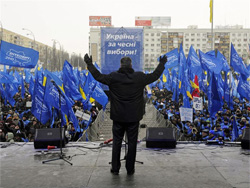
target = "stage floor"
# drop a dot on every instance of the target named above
(189, 165)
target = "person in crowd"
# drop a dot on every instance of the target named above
(127, 105)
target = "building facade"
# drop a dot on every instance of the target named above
(158, 41)
(49, 57)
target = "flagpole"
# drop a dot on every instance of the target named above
(212, 25)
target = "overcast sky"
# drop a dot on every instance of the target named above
(68, 20)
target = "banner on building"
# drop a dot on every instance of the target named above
(153, 21)
(197, 103)
(186, 114)
(99, 20)
(18, 56)
(119, 42)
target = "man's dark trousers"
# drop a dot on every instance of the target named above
(131, 129)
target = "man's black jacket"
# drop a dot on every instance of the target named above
(126, 91)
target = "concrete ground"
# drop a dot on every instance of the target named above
(187, 166)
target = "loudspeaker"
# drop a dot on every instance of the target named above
(245, 141)
(48, 137)
(160, 137)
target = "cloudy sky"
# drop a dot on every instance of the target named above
(68, 20)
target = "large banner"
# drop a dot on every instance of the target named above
(18, 56)
(119, 42)
(99, 20)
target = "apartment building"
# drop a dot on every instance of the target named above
(49, 57)
(158, 41)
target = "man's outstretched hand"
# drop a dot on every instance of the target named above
(163, 59)
(87, 59)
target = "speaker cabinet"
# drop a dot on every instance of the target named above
(160, 137)
(245, 141)
(51, 137)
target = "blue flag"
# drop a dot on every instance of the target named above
(235, 133)
(194, 65)
(173, 58)
(210, 63)
(56, 97)
(39, 108)
(244, 88)
(5, 78)
(99, 95)
(28, 75)
(18, 56)
(31, 86)
(215, 99)
(70, 83)
(222, 60)
(238, 64)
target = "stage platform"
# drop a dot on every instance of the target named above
(188, 166)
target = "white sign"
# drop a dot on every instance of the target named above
(82, 115)
(28, 104)
(186, 114)
(197, 103)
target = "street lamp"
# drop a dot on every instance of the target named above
(56, 41)
(31, 33)
(1, 30)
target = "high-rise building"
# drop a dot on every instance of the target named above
(158, 41)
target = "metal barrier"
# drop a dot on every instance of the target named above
(101, 128)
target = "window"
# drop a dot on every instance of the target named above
(158, 34)
(152, 55)
(186, 39)
(198, 45)
(146, 55)
(239, 34)
(192, 34)
(152, 34)
(146, 44)
(198, 34)
(152, 50)
(192, 39)
(146, 34)
(147, 40)
(152, 39)
(204, 40)
(152, 45)
(198, 40)
(158, 45)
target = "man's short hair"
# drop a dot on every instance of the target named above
(126, 62)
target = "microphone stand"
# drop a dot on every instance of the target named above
(61, 155)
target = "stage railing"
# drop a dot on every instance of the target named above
(101, 128)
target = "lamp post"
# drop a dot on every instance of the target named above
(56, 41)
(1, 31)
(32, 34)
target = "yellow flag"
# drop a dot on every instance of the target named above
(211, 10)
(180, 85)
(44, 80)
(164, 79)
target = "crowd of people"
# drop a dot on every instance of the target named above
(203, 127)
(18, 124)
